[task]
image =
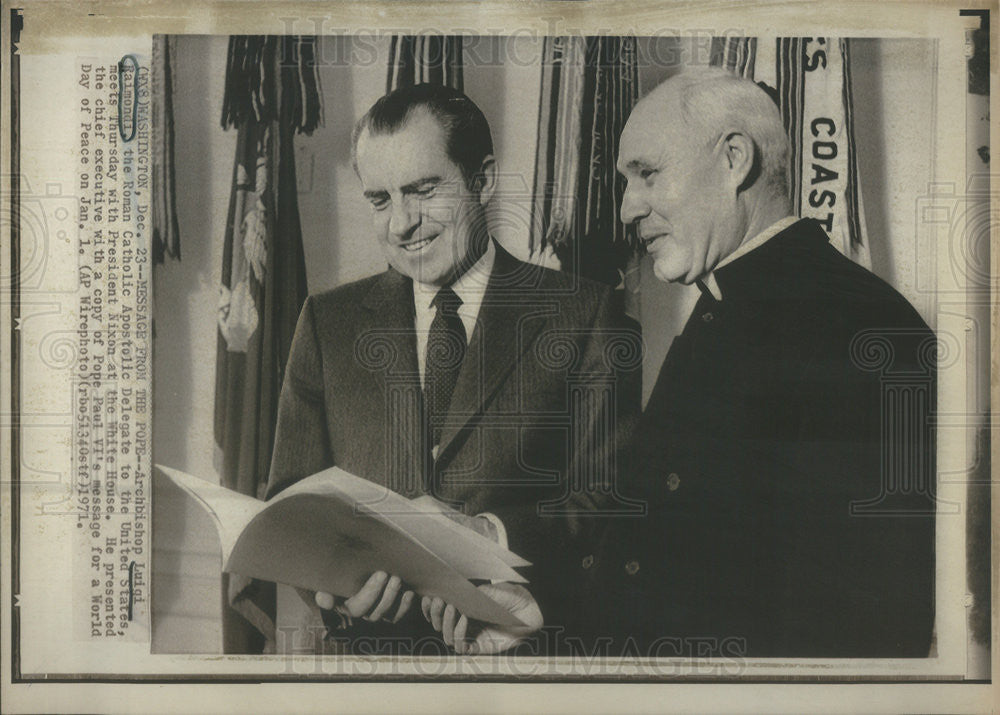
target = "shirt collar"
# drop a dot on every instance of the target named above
(470, 286)
(709, 281)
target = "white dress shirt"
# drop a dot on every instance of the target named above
(470, 287)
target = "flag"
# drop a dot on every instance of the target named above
(272, 92)
(589, 86)
(166, 236)
(810, 79)
(419, 59)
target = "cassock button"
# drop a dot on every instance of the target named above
(673, 481)
(632, 568)
(588, 561)
(708, 317)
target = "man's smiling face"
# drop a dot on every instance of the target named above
(675, 192)
(430, 224)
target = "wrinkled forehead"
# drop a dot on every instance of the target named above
(420, 126)
(413, 150)
(651, 134)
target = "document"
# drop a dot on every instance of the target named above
(331, 531)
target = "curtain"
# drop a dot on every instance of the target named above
(272, 93)
(416, 59)
(166, 237)
(589, 86)
(810, 79)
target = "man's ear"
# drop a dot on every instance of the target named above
(742, 160)
(486, 179)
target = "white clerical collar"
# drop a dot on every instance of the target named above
(744, 248)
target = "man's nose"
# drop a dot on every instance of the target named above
(405, 217)
(633, 208)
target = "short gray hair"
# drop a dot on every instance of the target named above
(714, 100)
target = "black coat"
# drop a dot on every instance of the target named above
(786, 458)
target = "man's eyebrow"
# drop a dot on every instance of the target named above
(420, 183)
(637, 164)
(407, 189)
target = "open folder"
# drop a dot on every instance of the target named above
(331, 531)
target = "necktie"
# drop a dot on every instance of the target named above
(445, 352)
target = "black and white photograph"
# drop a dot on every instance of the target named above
(490, 344)
(504, 348)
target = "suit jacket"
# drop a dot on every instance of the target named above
(788, 465)
(549, 376)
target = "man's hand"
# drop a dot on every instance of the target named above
(477, 638)
(380, 596)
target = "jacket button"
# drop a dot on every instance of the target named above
(673, 481)
(632, 568)
(588, 561)
(707, 317)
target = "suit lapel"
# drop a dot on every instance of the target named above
(387, 348)
(390, 325)
(495, 346)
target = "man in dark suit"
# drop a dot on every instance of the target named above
(491, 385)
(785, 453)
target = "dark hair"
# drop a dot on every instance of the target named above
(467, 133)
